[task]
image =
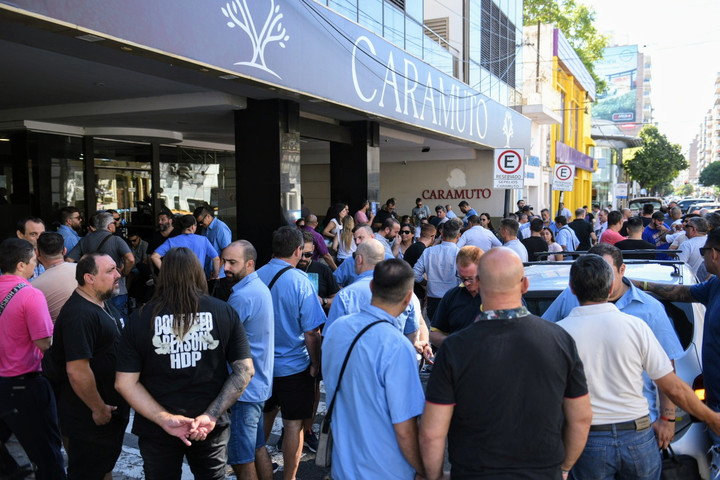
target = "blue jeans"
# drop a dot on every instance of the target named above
(246, 432)
(621, 454)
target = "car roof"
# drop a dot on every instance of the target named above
(554, 276)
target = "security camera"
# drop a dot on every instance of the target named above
(425, 149)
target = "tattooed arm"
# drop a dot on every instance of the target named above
(242, 372)
(674, 293)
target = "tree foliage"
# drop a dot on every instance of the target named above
(710, 174)
(576, 21)
(685, 190)
(657, 162)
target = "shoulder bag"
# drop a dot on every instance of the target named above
(323, 456)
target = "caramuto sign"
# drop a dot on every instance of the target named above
(299, 46)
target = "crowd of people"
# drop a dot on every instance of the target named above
(208, 347)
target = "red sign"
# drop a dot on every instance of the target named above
(564, 173)
(509, 162)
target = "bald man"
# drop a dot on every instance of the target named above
(507, 378)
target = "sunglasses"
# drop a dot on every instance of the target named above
(704, 250)
(307, 254)
(405, 232)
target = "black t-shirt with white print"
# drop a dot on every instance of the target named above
(182, 376)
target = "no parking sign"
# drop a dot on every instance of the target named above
(509, 168)
(563, 177)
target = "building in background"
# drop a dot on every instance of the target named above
(254, 105)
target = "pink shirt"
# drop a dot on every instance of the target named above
(25, 319)
(360, 217)
(611, 237)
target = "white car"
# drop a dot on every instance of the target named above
(548, 279)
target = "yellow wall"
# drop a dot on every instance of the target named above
(576, 134)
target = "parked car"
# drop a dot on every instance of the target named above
(548, 279)
(636, 204)
(689, 203)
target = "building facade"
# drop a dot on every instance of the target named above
(254, 106)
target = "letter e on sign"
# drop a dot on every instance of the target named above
(509, 168)
(564, 177)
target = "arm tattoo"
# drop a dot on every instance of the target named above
(674, 293)
(232, 389)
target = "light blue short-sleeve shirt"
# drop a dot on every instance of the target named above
(297, 310)
(353, 298)
(380, 388)
(639, 304)
(252, 300)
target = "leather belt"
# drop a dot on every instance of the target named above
(639, 424)
(26, 376)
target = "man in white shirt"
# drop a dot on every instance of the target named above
(615, 349)
(478, 236)
(696, 232)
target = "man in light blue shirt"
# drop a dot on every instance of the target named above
(467, 210)
(633, 301)
(388, 234)
(298, 317)
(351, 299)
(216, 231)
(437, 263)
(508, 234)
(565, 236)
(478, 236)
(252, 300)
(70, 222)
(197, 243)
(345, 274)
(374, 416)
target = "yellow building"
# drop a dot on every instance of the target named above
(570, 140)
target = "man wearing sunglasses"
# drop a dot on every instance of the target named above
(696, 232)
(707, 293)
(319, 274)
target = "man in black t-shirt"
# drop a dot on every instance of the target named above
(583, 230)
(93, 416)
(534, 243)
(173, 370)
(510, 389)
(460, 305)
(634, 241)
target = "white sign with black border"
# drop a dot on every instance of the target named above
(563, 177)
(509, 168)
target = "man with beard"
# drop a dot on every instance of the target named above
(166, 229)
(252, 301)
(93, 416)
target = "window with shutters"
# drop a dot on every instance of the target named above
(438, 30)
(497, 42)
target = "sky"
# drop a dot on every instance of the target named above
(683, 41)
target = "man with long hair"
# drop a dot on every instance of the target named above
(172, 369)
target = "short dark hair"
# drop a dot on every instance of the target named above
(389, 222)
(473, 220)
(50, 244)
(168, 213)
(308, 237)
(511, 225)
(634, 224)
(451, 228)
(392, 280)
(21, 223)
(203, 210)
(658, 216)
(67, 212)
(439, 207)
(418, 199)
(463, 204)
(591, 278)
(286, 240)
(610, 250)
(536, 225)
(14, 250)
(614, 217)
(648, 209)
(713, 238)
(560, 219)
(186, 221)
(86, 264)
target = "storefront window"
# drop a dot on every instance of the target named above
(347, 8)
(394, 30)
(370, 15)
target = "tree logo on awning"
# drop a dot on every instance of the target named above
(272, 31)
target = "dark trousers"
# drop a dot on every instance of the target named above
(432, 304)
(27, 407)
(163, 456)
(93, 454)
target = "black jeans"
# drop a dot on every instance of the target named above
(27, 407)
(163, 456)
